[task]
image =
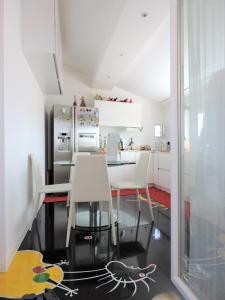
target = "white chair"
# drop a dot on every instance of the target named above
(41, 189)
(72, 170)
(141, 182)
(73, 161)
(90, 184)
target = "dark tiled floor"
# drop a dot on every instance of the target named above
(139, 244)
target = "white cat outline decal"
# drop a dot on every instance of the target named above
(119, 273)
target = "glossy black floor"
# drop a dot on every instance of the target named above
(140, 244)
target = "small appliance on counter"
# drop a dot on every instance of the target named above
(131, 144)
(73, 129)
(168, 146)
(145, 148)
(121, 145)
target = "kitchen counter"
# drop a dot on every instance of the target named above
(135, 151)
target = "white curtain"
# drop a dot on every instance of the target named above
(203, 143)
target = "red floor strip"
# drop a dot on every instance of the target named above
(157, 195)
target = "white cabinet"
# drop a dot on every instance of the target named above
(115, 173)
(128, 156)
(119, 114)
(164, 170)
(164, 179)
(156, 168)
(164, 160)
(151, 169)
(42, 43)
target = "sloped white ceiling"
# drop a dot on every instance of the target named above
(149, 76)
(86, 29)
(114, 45)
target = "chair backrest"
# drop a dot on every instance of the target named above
(74, 160)
(90, 179)
(36, 171)
(36, 182)
(141, 171)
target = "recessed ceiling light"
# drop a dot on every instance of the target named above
(144, 15)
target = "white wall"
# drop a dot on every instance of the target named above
(23, 130)
(166, 119)
(79, 85)
(73, 84)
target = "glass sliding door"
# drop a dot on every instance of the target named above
(202, 148)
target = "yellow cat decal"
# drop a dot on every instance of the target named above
(28, 274)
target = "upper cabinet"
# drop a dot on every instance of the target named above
(42, 43)
(119, 114)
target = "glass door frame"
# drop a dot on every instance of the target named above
(3, 262)
(176, 153)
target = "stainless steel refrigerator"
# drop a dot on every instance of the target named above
(73, 129)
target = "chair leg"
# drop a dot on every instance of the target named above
(118, 205)
(112, 223)
(100, 209)
(69, 224)
(31, 224)
(35, 205)
(74, 215)
(68, 200)
(138, 198)
(109, 215)
(150, 204)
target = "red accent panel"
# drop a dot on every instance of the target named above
(187, 210)
(53, 199)
(156, 194)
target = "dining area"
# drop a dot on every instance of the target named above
(89, 186)
(99, 221)
(111, 158)
(110, 238)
